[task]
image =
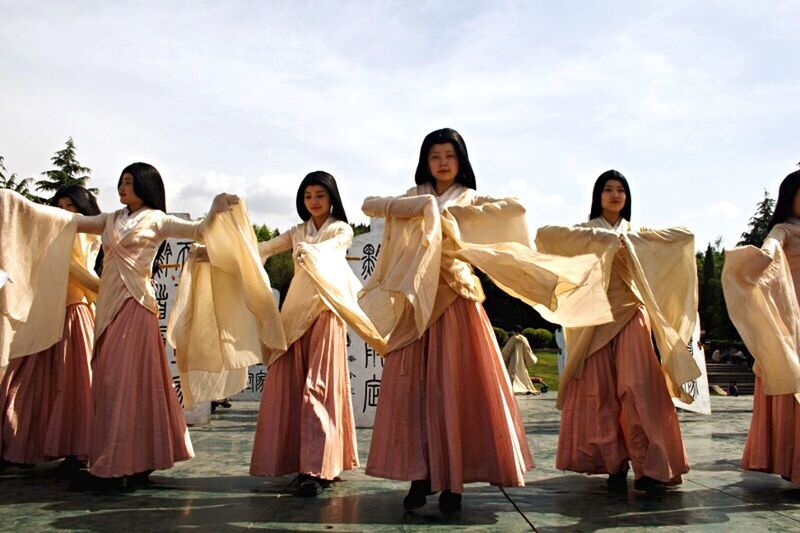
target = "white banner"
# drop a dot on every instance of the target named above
(366, 366)
(698, 388)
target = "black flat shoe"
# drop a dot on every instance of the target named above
(416, 494)
(309, 488)
(85, 481)
(650, 485)
(618, 482)
(140, 479)
(449, 502)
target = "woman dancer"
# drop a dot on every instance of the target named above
(616, 404)
(761, 292)
(46, 397)
(138, 424)
(447, 414)
(305, 423)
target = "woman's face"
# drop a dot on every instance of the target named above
(613, 197)
(127, 196)
(317, 201)
(65, 202)
(443, 162)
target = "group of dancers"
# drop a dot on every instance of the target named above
(91, 384)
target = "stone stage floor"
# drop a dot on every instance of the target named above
(214, 492)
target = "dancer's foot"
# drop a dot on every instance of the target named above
(312, 486)
(649, 485)
(449, 502)
(85, 481)
(416, 494)
(69, 467)
(618, 481)
(139, 479)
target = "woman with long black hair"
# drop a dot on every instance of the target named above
(137, 424)
(615, 400)
(447, 414)
(762, 288)
(305, 423)
(46, 397)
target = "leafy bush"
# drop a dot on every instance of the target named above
(538, 337)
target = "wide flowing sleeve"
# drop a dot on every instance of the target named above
(492, 235)
(337, 285)
(762, 303)
(35, 253)
(400, 295)
(281, 243)
(225, 317)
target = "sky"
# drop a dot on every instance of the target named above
(696, 103)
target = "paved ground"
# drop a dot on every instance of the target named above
(214, 493)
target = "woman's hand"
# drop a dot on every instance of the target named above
(224, 202)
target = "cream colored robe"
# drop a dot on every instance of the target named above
(761, 288)
(425, 258)
(224, 317)
(322, 281)
(35, 246)
(655, 269)
(518, 355)
(128, 259)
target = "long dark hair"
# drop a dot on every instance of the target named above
(86, 204)
(322, 178)
(784, 207)
(149, 187)
(597, 206)
(465, 176)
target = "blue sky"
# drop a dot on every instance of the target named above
(692, 101)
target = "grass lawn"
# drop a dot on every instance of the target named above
(546, 367)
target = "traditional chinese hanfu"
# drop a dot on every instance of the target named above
(447, 411)
(138, 424)
(305, 422)
(614, 393)
(46, 397)
(517, 355)
(761, 289)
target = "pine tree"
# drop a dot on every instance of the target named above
(21, 186)
(759, 222)
(67, 172)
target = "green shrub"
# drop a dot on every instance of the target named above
(538, 337)
(502, 336)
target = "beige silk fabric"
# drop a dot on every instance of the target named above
(517, 355)
(35, 252)
(83, 282)
(654, 269)
(224, 318)
(128, 258)
(322, 281)
(761, 287)
(426, 256)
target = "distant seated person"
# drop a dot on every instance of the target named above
(729, 355)
(733, 390)
(518, 356)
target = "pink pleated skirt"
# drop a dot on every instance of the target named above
(619, 410)
(46, 397)
(305, 422)
(773, 443)
(138, 422)
(446, 410)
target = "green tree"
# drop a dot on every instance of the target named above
(358, 229)
(22, 186)
(713, 312)
(279, 267)
(757, 228)
(68, 171)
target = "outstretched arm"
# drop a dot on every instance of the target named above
(399, 206)
(276, 245)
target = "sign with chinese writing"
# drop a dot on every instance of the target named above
(366, 366)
